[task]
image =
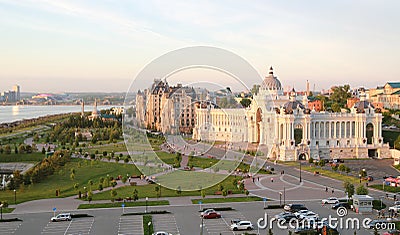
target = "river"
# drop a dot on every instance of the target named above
(20, 112)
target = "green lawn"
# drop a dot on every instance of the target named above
(390, 189)
(227, 165)
(119, 204)
(21, 157)
(8, 210)
(85, 170)
(149, 190)
(332, 174)
(228, 199)
(167, 157)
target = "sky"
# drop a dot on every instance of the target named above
(101, 45)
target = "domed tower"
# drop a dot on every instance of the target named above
(272, 84)
(293, 104)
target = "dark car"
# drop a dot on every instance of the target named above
(341, 204)
(212, 215)
(294, 207)
(287, 218)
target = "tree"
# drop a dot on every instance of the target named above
(179, 190)
(247, 192)
(157, 190)
(310, 160)
(113, 194)
(7, 149)
(270, 232)
(342, 168)
(241, 186)
(72, 176)
(124, 179)
(90, 196)
(43, 150)
(224, 193)
(220, 187)
(100, 187)
(91, 184)
(135, 195)
(203, 193)
(361, 190)
(76, 186)
(363, 173)
(348, 188)
(116, 159)
(340, 94)
(336, 107)
(321, 163)
(245, 102)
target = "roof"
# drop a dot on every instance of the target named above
(396, 93)
(394, 84)
(364, 197)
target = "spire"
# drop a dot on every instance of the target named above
(271, 71)
(83, 108)
(308, 88)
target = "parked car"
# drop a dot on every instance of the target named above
(161, 233)
(287, 217)
(300, 212)
(309, 216)
(341, 204)
(235, 221)
(395, 208)
(206, 212)
(61, 217)
(331, 200)
(294, 207)
(242, 225)
(392, 232)
(212, 215)
(277, 216)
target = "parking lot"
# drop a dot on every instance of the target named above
(9, 228)
(75, 226)
(222, 225)
(166, 223)
(132, 225)
(181, 220)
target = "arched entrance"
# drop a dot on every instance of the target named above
(258, 120)
(298, 133)
(302, 156)
(369, 133)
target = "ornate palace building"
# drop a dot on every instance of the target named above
(169, 109)
(289, 130)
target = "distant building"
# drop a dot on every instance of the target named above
(351, 101)
(388, 95)
(11, 96)
(95, 113)
(315, 104)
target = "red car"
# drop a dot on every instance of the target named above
(212, 215)
(392, 232)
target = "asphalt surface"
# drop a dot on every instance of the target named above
(184, 219)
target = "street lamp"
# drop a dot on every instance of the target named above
(359, 175)
(1, 208)
(201, 226)
(147, 198)
(15, 196)
(280, 198)
(284, 195)
(148, 226)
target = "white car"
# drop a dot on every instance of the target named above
(161, 233)
(61, 217)
(309, 216)
(395, 208)
(300, 212)
(242, 225)
(331, 200)
(206, 212)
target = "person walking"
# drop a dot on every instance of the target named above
(272, 180)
